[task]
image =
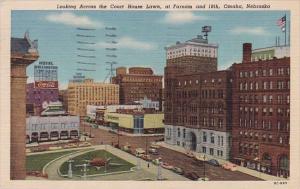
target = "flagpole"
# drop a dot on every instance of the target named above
(285, 30)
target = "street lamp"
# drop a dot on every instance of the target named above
(204, 166)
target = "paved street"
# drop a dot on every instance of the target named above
(172, 157)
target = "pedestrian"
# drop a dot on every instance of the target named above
(148, 165)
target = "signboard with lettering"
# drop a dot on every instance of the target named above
(46, 84)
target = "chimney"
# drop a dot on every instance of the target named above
(247, 51)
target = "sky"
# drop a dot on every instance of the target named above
(141, 36)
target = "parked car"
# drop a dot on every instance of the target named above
(177, 170)
(84, 144)
(190, 154)
(155, 146)
(213, 162)
(139, 152)
(157, 161)
(153, 151)
(192, 175)
(146, 157)
(72, 145)
(203, 179)
(230, 166)
(167, 166)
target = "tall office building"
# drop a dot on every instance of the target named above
(88, 92)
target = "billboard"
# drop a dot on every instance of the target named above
(46, 84)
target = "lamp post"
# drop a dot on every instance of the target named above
(204, 166)
(70, 172)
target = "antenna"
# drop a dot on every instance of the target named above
(206, 30)
(111, 51)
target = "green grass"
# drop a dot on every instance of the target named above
(79, 160)
(37, 162)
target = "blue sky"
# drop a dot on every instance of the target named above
(141, 36)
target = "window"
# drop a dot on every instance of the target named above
(204, 150)
(204, 137)
(212, 138)
(271, 72)
(211, 151)
(183, 133)
(178, 132)
(222, 141)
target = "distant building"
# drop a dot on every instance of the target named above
(54, 124)
(63, 97)
(147, 103)
(135, 121)
(23, 53)
(137, 83)
(268, 53)
(261, 111)
(90, 93)
(44, 89)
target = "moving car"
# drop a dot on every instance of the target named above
(177, 170)
(139, 152)
(203, 179)
(213, 162)
(167, 166)
(153, 151)
(190, 154)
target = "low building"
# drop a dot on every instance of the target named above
(40, 128)
(54, 124)
(136, 122)
(148, 103)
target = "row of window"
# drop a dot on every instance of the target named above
(281, 99)
(265, 72)
(266, 85)
(265, 111)
(211, 151)
(190, 82)
(265, 124)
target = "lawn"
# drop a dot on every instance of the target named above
(37, 162)
(81, 159)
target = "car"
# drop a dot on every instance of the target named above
(167, 166)
(72, 145)
(213, 162)
(84, 144)
(139, 152)
(229, 166)
(192, 175)
(153, 151)
(157, 161)
(146, 157)
(155, 146)
(190, 154)
(203, 179)
(177, 170)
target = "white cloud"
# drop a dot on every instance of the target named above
(72, 19)
(128, 42)
(227, 65)
(249, 30)
(181, 17)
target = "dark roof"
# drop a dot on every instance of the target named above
(19, 45)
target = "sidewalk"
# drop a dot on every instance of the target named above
(221, 161)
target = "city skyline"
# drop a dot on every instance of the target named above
(141, 36)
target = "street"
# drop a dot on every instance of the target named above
(171, 157)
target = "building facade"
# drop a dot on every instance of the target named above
(197, 99)
(137, 84)
(49, 128)
(23, 53)
(81, 94)
(44, 89)
(261, 112)
(136, 122)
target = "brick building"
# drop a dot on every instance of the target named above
(137, 84)
(88, 92)
(23, 53)
(261, 112)
(197, 99)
